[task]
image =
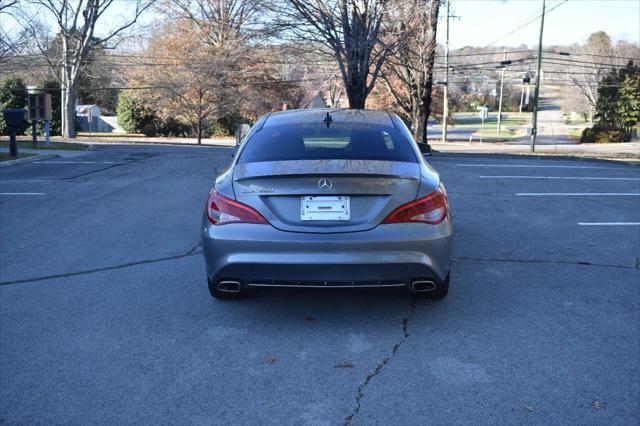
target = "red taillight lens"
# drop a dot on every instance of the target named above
(430, 209)
(221, 210)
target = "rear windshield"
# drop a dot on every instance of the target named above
(340, 142)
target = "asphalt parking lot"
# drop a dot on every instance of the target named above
(105, 316)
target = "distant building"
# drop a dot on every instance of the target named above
(90, 119)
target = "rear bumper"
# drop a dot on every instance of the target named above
(388, 255)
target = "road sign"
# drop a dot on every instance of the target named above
(483, 112)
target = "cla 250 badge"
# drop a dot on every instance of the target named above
(257, 190)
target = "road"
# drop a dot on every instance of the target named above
(105, 316)
(552, 129)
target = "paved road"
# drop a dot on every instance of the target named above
(552, 129)
(105, 316)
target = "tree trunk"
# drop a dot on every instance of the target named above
(355, 93)
(69, 111)
(420, 126)
(425, 103)
(199, 131)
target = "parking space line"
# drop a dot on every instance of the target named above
(532, 166)
(581, 194)
(22, 193)
(559, 177)
(609, 223)
(73, 162)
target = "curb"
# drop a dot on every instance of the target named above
(30, 159)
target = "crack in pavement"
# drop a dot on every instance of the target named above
(557, 262)
(382, 363)
(192, 252)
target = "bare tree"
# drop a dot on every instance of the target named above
(223, 24)
(76, 22)
(412, 63)
(351, 31)
(592, 62)
(10, 39)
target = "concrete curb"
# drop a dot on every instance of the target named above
(30, 159)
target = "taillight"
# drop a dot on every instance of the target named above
(430, 209)
(221, 210)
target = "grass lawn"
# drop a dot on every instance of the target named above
(41, 145)
(492, 122)
(110, 135)
(4, 156)
(574, 132)
(505, 133)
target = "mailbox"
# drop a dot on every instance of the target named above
(15, 117)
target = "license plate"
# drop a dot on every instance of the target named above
(325, 208)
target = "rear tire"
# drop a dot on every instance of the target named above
(441, 290)
(218, 294)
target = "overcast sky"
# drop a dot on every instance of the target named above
(483, 22)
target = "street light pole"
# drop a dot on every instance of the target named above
(504, 68)
(445, 103)
(534, 121)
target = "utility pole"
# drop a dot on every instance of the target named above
(534, 121)
(445, 103)
(504, 68)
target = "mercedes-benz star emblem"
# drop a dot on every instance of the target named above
(325, 184)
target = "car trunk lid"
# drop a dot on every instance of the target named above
(277, 189)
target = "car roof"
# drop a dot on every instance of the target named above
(343, 115)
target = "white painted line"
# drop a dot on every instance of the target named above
(546, 167)
(73, 162)
(585, 194)
(609, 223)
(22, 193)
(558, 177)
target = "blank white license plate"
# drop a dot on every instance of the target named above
(325, 208)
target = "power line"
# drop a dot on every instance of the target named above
(528, 22)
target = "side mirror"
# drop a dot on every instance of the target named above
(425, 148)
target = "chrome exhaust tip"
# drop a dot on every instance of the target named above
(230, 286)
(423, 286)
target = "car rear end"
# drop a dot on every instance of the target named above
(342, 199)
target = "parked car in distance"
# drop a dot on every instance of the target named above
(330, 199)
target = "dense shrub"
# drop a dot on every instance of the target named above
(134, 116)
(601, 135)
(171, 126)
(149, 129)
(13, 94)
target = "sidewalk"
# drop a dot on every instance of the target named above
(102, 139)
(38, 155)
(627, 151)
(64, 153)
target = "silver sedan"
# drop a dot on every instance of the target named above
(330, 199)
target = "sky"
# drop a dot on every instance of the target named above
(497, 22)
(489, 22)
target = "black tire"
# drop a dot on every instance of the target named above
(218, 294)
(441, 290)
